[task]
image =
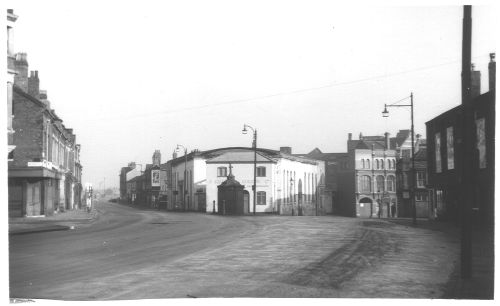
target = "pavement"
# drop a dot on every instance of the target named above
(69, 219)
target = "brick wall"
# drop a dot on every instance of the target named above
(28, 126)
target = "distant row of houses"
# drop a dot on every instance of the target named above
(44, 169)
(360, 182)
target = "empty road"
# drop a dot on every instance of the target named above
(128, 253)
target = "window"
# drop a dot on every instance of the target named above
(363, 163)
(420, 197)
(481, 141)
(365, 183)
(382, 163)
(368, 163)
(378, 164)
(421, 179)
(261, 171)
(222, 171)
(380, 183)
(261, 197)
(449, 148)
(437, 152)
(391, 184)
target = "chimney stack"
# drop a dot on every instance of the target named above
(492, 67)
(174, 155)
(21, 67)
(387, 141)
(286, 150)
(475, 89)
(157, 158)
(349, 136)
(34, 84)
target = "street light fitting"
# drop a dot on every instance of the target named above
(385, 113)
(244, 131)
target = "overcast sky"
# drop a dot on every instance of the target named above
(132, 77)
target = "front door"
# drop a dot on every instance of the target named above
(246, 200)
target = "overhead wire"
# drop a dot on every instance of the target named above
(238, 101)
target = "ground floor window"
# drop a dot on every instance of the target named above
(261, 198)
(420, 197)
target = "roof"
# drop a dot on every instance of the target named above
(421, 154)
(230, 182)
(400, 138)
(266, 153)
(239, 156)
(370, 144)
(135, 178)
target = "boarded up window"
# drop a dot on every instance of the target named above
(449, 148)
(481, 142)
(437, 141)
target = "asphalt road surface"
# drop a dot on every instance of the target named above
(128, 253)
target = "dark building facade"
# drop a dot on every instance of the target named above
(44, 169)
(445, 137)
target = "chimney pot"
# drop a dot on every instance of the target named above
(492, 72)
(286, 150)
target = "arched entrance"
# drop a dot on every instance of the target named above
(365, 207)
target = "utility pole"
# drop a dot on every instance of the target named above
(467, 150)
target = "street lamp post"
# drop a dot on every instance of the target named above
(291, 195)
(385, 113)
(185, 172)
(254, 144)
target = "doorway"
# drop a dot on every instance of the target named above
(365, 207)
(246, 200)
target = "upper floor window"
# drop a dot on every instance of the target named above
(222, 171)
(437, 151)
(261, 197)
(391, 183)
(261, 171)
(481, 141)
(382, 163)
(449, 148)
(365, 183)
(380, 183)
(378, 164)
(421, 180)
(368, 163)
(363, 163)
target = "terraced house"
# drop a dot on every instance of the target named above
(44, 169)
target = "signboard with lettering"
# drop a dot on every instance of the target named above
(155, 178)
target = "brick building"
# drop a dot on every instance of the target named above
(44, 170)
(445, 135)
(367, 178)
(404, 174)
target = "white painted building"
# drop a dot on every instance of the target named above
(286, 184)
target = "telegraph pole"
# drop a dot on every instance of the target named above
(467, 149)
